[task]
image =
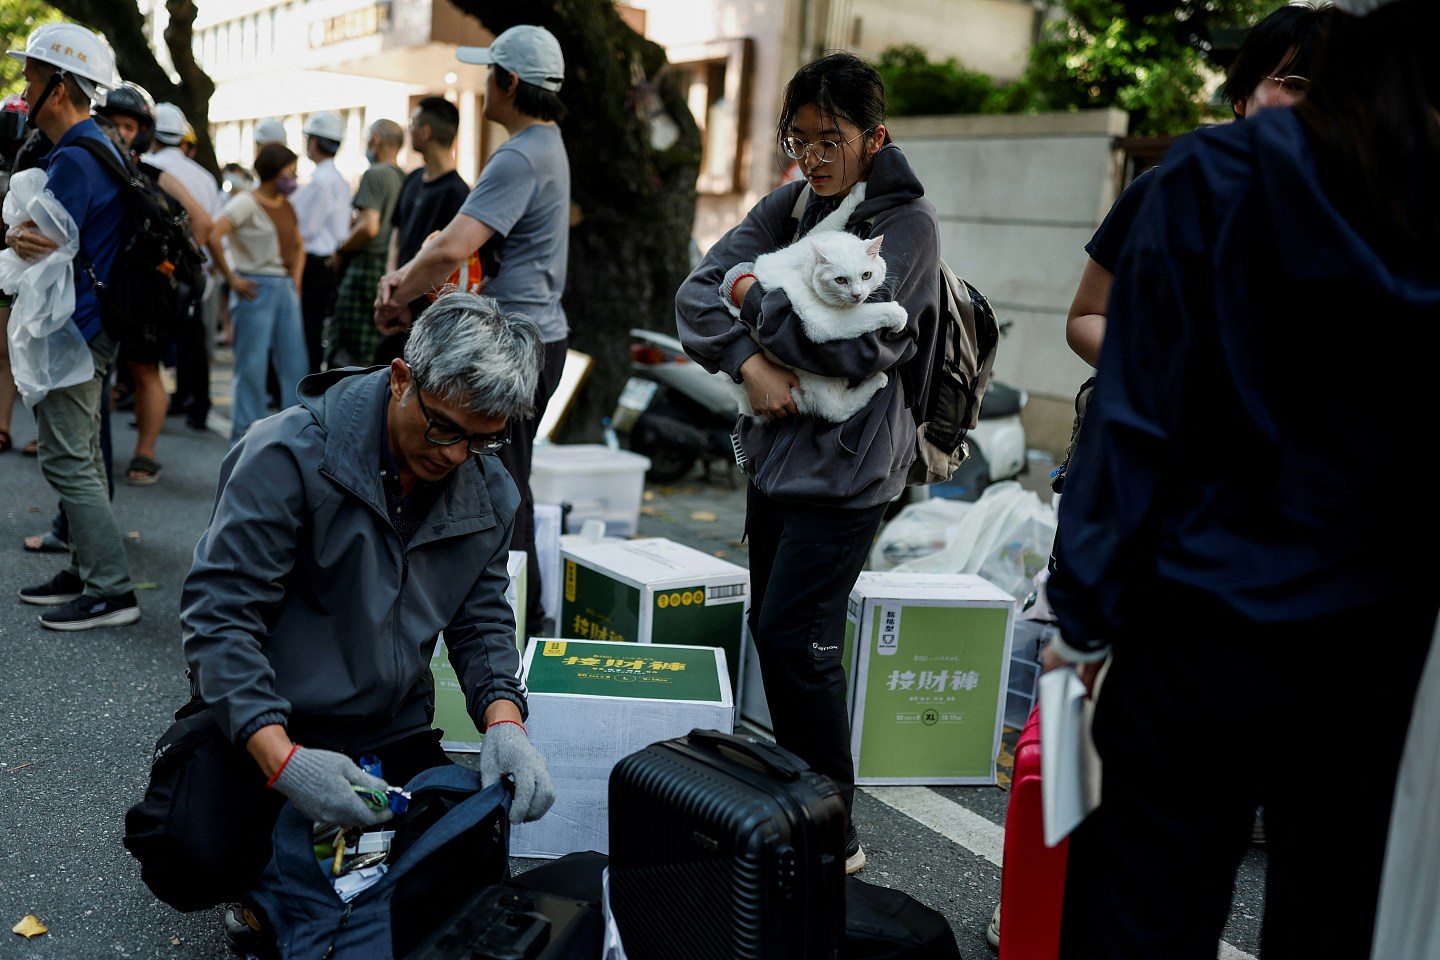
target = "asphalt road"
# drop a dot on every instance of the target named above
(79, 714)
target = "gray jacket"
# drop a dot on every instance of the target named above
(861, 462)
(303, 608)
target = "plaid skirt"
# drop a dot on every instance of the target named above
(351, 335)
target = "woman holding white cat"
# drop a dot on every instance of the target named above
(820, 474)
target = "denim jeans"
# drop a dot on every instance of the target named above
(68, 423)
(267, 331)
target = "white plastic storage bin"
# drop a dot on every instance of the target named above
(597, 482)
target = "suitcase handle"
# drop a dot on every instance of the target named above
(776, 761)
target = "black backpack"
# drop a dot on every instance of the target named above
(955, 362)
(158, 272)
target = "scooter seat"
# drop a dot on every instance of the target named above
(1001, 400)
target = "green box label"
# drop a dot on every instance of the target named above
(597, 607)
(931, 691)
(647, 673)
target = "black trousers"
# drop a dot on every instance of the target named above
(516, 457)
(192, 370)
(1208, 716)
(804, 560)
(317, 296)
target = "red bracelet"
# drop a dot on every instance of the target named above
(733, 285)
(271, 781)
(516, 722)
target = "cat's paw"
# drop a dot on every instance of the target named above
(895, 316)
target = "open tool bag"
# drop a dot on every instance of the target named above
(452, 840)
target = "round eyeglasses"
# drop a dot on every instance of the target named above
(825, 150)
(1296, 85)
(447, 435)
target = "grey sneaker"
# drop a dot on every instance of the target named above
(854, 853)
(61, 588)
(86, 613)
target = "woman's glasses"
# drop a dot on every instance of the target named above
(1299, 86)
(480, 444)
(824, 150)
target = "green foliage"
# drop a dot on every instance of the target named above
(916, 87)
(1144, 56)
(17, 19)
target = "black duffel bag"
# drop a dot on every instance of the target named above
(886, 924)
(202, 830)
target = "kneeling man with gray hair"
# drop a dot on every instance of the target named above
(348, 532)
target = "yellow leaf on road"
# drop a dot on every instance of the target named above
(704, 516)
(29, 927)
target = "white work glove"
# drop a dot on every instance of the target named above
(507, 749)
(322, 785)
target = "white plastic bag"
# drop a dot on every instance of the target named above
(1006, 537)
(47, 351)
(919, 530)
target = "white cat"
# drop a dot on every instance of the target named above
(828, 275)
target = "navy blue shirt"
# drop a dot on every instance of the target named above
(1229, 448)
(91, 195)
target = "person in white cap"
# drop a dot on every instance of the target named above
(67, 68)
(269, 130)
(518, 217)
(323, 207)
(1250, 589)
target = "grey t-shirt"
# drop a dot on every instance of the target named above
(524, 195)
(380, 190)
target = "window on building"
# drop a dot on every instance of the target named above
(717, 79)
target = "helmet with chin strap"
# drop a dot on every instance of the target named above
(132, 100)
(77, 53)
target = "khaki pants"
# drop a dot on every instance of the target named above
(70, 459)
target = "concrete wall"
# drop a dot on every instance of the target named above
(1018, 198)
(991, 36)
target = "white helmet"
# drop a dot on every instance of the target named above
(269, 130)
(77, 52)
(327, 125)
(169, 123)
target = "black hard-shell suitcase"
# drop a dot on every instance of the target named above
(725, 847)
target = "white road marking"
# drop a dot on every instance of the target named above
(971, 831)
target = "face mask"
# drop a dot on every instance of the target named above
(285, 185)
(370, 156)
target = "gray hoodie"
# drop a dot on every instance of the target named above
(861, 462)
(304, 608)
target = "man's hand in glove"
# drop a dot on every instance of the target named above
(322, 785)
(507, 749)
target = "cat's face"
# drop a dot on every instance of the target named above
(846, 269)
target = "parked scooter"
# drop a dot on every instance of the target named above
(674, 412)
(671, 409)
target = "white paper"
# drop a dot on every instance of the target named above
(1069, 766)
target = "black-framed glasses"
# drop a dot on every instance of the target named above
(480, 444)
(1296, 85)
(825, 150)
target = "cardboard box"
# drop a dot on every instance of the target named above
(596, 481)
(931, 664)
(654, 590)
(593, 703)
(450, 713)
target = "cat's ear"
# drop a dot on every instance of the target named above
(819, 251)
(874, 249)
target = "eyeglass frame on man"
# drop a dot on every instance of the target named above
(491, 443)
(1284, 83)
(819, 146)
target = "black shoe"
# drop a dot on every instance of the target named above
(86, 613)
(854, 853)
(61, 588)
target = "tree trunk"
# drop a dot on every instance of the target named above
(120, 22)
(633, 204)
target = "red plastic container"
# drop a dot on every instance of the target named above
(1032, 878)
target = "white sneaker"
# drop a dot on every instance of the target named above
(992, 932)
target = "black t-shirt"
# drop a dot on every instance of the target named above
(1104, 246)
(425, 208)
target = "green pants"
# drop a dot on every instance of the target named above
(70, 460)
